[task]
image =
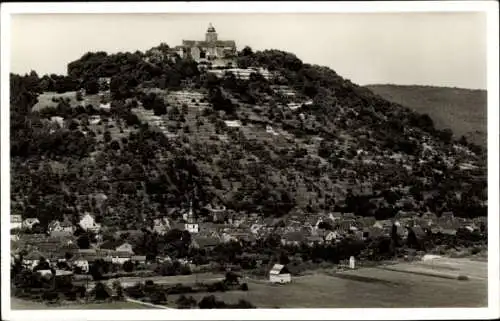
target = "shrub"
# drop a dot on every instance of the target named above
(209, 302)
(244, 287)
(185, 303)
(463, 278)
(158, 297)
(50, 296)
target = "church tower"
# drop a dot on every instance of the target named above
(191, 226)
(211, 35)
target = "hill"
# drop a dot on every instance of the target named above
(461, 110)
(295, 140)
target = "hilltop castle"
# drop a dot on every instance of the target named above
(209, 49)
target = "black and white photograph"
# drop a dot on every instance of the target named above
(276, 158)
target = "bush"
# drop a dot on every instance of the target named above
(158, 297)
(135, 291)
(185, 303)
(100, 292)
(210, 302)
(463, 278)
(244, 287)
(50, 296)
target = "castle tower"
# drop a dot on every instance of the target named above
(211, 35)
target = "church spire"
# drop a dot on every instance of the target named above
(190, 215)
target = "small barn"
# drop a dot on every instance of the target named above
(279, 274)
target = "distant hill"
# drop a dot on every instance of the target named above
(461, 110)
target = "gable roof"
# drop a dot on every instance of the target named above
(278, 269)
(294, 237)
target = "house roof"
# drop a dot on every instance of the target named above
(294, 237)
(111, 245)
(205, 241)
(201, 43)
(419, 232)
(34, 255)
(278, 269)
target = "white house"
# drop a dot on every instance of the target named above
(16, 222)
(29, 222)
(88, 223)
(161, 225)
(233, 123)
(105, 106)
(279, 274)
(57, 228)
(331, 236)
(120, 257)
(82, 263)
(352, 263)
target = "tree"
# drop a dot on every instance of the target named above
(107, 136)
(128, 266)
(446, 135)
(43, 264)
(97, 270)
(83, 242)
(117, 286)
(231, 278)
(100, 292)
(208, 302)
(91, 86)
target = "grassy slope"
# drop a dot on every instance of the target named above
(461, 110)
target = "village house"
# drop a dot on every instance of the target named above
(292, 238)
(161, 225)
(16, 221)
(279, 274)
(255, 228)
(202, 242)
(32, 259)
(138, 259)
(59, 229)
(80, 262)
(118, 246)
(331, 236)
(88, 223)
(30, 222)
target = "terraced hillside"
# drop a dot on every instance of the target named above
(305, 140)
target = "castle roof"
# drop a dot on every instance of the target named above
(207, 44)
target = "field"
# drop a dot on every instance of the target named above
(402, 285)
(461, 110)
(368, 288)
(45, 100)
(19, 304)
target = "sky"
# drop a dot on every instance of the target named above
(440, 49)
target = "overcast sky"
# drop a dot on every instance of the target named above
(443, 49)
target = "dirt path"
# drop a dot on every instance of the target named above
(147, 304)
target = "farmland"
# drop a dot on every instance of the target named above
(369, 288)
